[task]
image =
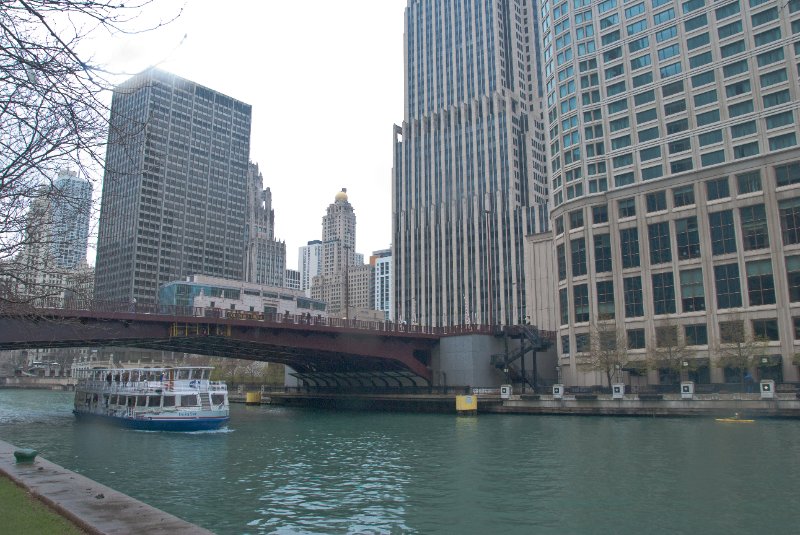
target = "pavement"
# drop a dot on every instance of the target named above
(93, 507)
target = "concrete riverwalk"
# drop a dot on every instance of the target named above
(95, 508)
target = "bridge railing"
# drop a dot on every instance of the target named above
(40, 306)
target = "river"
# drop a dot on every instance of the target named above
(295, 471)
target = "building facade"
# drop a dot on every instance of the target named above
(672, 134)
(174, 199)
(382, 265)
(469, 175)
(265, 256)
(291, 279)
(310, 263)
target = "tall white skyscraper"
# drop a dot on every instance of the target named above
(382, 262)
(673, 141)
(469, 178)
(71, 207)
(310, 263)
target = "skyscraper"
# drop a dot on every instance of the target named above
(265, 256)
(469, 178)
(343, 285)
(175, 187)
(71, 206)
(382, 262)
(310, 263)
(673, 136)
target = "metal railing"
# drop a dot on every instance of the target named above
(41, 307)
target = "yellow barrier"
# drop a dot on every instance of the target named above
(467, 404)
(253, 398)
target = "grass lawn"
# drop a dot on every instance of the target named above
(21, 514)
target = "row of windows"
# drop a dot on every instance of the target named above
(696, 334)
(689, 292)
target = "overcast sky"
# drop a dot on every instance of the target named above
(325, 80)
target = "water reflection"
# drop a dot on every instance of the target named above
(287, 471)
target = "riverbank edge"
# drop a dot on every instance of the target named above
(711, 405)
(93, 507)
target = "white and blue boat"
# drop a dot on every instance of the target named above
(181, 398)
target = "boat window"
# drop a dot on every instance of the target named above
(141, 401)
(114, 399)
(217, 399)
(189, 401)
(205, 374)
(131, 401)
(183, 375)
(169, 401)
(154, 401)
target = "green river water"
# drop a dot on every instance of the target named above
(293, 471)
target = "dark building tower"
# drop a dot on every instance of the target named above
(175, 187)
(469, 177)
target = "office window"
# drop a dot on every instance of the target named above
(696, 335)
(743, 129)
(667, 336)
(629, 245)
(580, 295)
(723, 234)
(650, 154)
(776, 99)
(649, 173)
(774, 77)
(600, 214)
(646, 116)
(708, 97)
(605, 300)
(789, 211)
(729, 294)
(783, 141)
(697, 41)
(644, 78)
(727, 10)
(563, 301)
(675, 127)
(703, 78)
(576, 219)
(602, 253)
(731, 332)
(693, 297)
(681, 166)
(710, 138)
(749, 182)
(712, 158)
(663, 293)
(670, 70)
(760, 283)
(732, 69)
(660, 249)
(640, 63)
(780, 119)
(717, 189)
(565, 345)
(561, 260)
(687, 237)
(632, 294)
(578, 256)
(679, 145)
(649, 134)
(765, 329)
(731, 49)
(755, 234)
(787, 174)
(768, 36)
(764, 17)
(769, 57)
(746, 150)
(729, 29)
(627, 207)
(683, 196)
(643, 98)
(695, 23)
(559, 225)
(699, 60)
(740, 108)
(793, 277)
(656, 201)
(737, 88)
(582, 343)
(635, 338)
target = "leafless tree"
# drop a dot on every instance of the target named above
(670, 351)
(608, 350)
(738, 350)
(54, 115)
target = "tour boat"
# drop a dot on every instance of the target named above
(181, 398)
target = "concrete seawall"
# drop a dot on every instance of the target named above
(93, 507)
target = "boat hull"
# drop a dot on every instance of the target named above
(187, 423)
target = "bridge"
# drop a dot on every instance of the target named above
(324, 352)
